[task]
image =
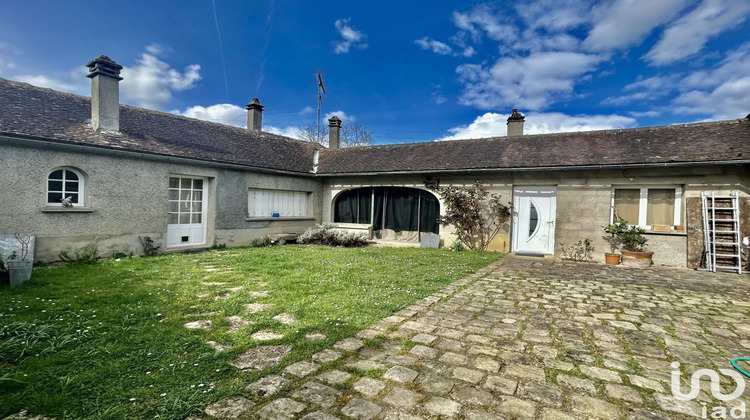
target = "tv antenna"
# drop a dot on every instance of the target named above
(319, 77)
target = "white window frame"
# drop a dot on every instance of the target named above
(81, 187)
(276, 197)
(643, 203)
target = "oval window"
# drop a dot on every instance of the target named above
(533, 219)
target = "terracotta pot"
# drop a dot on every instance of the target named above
(637, 259)
(612, 259)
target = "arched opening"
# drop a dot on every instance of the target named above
(395, 213)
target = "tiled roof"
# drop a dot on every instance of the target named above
(29, 111)
(700, 142)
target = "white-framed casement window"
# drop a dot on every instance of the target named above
(648, 206)
(65, 188)
(277, 203)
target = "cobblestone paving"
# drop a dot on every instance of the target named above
(525, 338)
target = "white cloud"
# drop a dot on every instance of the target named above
(645, 90)
(221, 113)
(351, 37)
(689, 34)
(435, 46)
(74, 82)
(722, 92)
(530, 82)
(5, 64)
(151, 82)
(484, 20)
(341, 115)
(554, 15)
(293, 132)
(307, 110)
(624, 23)
(493, 124)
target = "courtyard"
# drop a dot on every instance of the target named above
(527, 338)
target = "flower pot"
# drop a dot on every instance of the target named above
(637, 259)
(19, 271)
(612, 259)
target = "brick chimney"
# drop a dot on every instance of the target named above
(515, 124)
(334, 128)
(105, 94)
(254, 115)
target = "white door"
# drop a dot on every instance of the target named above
(534, 211)
(186, 223)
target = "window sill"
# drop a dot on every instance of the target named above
(279, 219)
(67, 210)
(670, 233)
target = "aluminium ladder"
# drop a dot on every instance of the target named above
(721, 232)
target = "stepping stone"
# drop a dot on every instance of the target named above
(235, 289)
(237, 322)
(349, 344)
(319, 415)
(262, 357)
(326, 356)
(315, 336)
(213, 283)
(316, 393)
(199, 325)
(369, 386)
(281, 409)
(202, 295)
(266, 336)
(301, 369)
(256, 307)
(361, 409)
(230, 408)
(400, 374)
(267, 385)
(258, 293)
(216, 346)
(334, 377)
(285, 319)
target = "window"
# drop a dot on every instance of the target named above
(65, 188)
(277, 203)
(650, 208)
(185, 201)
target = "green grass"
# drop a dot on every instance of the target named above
(107, 340)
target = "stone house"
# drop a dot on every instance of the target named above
(78, 170)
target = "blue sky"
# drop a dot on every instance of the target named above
(407, 71)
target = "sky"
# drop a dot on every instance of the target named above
(419, 70)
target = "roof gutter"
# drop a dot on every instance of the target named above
(78, 147)
(544, 168)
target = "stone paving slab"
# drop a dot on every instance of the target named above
(527, 338)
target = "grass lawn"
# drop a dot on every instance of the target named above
(108, 340)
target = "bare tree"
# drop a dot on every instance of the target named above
(352, 135)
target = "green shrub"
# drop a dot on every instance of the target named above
(457, 246)
(579, 252)
(633, 240)
(86, 255)
(327, 234)
(261, 242)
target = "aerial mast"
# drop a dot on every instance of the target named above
(319, 76)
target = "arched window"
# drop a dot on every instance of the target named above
(65, 188)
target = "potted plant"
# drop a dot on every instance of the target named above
(614, 230)
(19, 266)
(634, 251)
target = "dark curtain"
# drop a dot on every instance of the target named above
(345, 210)
(402, 209)
(365, 205)
(430, 212)
(377, 224)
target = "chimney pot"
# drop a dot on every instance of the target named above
(254, 115)
(515, 124)
(105, 93)
(334, 128)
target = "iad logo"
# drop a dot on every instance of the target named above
(695, 383)
(719, 412)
